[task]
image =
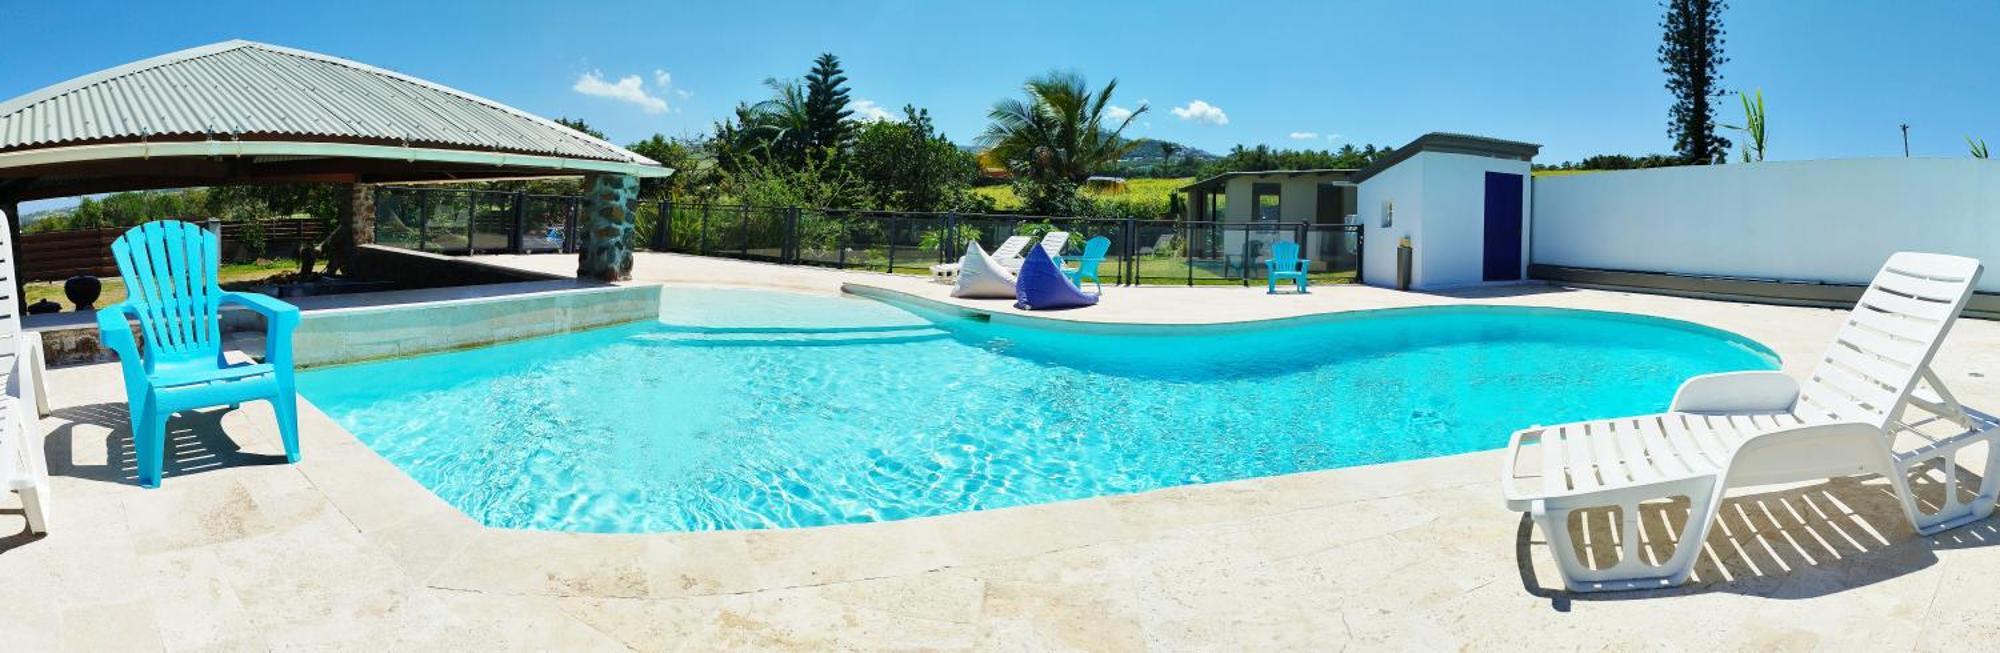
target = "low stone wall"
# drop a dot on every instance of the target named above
(334, 335)
(410, 269)
(348, 335)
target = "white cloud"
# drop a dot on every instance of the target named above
(1303, 136)
(662, 78)
(1116, 112)
(1199, 111)
(866, 110)
(1332, 137)
(629, 88)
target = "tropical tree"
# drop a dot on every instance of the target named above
(908, 166)
(1978, 147)
(579, 125)
(1752, 127)
(1691, 56)
(1054, 138)
(1167, 152)
(827, 126)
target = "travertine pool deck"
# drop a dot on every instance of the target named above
(239, 551)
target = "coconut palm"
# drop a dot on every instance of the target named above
(1056, 133)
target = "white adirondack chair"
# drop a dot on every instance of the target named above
(1009, 250)
(1759, 428)
(22, 466)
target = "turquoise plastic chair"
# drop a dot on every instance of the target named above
(169, 269)
(1093, 256)
(1285, 264)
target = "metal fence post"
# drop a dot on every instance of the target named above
(701, 243)
(1187, 248)
(423, 217)
(949, 240)
(517, 240)
(471, 222)
(663, 233)
(792, 235)
(891, 241)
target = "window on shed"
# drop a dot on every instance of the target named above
(1264, 202)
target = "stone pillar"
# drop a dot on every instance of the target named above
(355, 226)
(605, 226)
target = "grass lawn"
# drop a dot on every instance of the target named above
(1149, 191)
(114, 288)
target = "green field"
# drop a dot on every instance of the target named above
(1147, 191)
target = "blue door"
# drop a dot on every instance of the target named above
(1503, 227)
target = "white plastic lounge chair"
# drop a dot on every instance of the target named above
(1053, 243)
(22, 466)
(1009, 250)
(1759, 428)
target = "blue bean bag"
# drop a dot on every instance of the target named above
(1042, 286)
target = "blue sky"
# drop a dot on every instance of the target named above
(1578, 77)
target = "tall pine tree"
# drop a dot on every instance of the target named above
(1691, 55)
(826, 105)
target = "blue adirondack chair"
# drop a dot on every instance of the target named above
(169, 269)
(1285, 264)
(1093, 256)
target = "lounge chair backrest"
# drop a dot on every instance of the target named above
(1886, 343)
(169, 267)
(1011, 247)
(1284, 251)
(1165, 241)
(1054, 242)
(10, 306)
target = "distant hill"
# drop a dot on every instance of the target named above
(1148, 151)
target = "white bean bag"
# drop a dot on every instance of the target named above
(981, 277)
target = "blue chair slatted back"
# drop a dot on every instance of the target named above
(170, 268)
(1286, 254)
(1095, 248)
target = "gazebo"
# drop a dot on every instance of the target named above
(241, 112)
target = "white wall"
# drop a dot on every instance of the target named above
(1402, 184)
(1832, 221)
(1441, 205)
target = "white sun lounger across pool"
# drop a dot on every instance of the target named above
(1759, 428)
(1009, 250)
(1053, 242)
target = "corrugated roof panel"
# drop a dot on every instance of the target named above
(252, 89)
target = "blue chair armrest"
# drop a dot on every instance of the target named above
(276, 311)
(280, 319)
(115, 331)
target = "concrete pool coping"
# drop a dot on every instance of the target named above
(344, 550)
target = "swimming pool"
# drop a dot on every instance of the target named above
(747, 409)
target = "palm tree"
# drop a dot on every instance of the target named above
(1167, 152)
(1057, 132)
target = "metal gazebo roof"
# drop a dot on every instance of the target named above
(247, 112)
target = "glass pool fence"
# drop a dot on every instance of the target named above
(1143, 252)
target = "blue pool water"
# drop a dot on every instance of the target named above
(744, 409)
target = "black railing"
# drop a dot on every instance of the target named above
(1149, 252)
(1142, 251)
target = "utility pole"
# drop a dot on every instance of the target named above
(1906, 140)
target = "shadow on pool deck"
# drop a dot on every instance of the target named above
(1797, 543)
(196, 443)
